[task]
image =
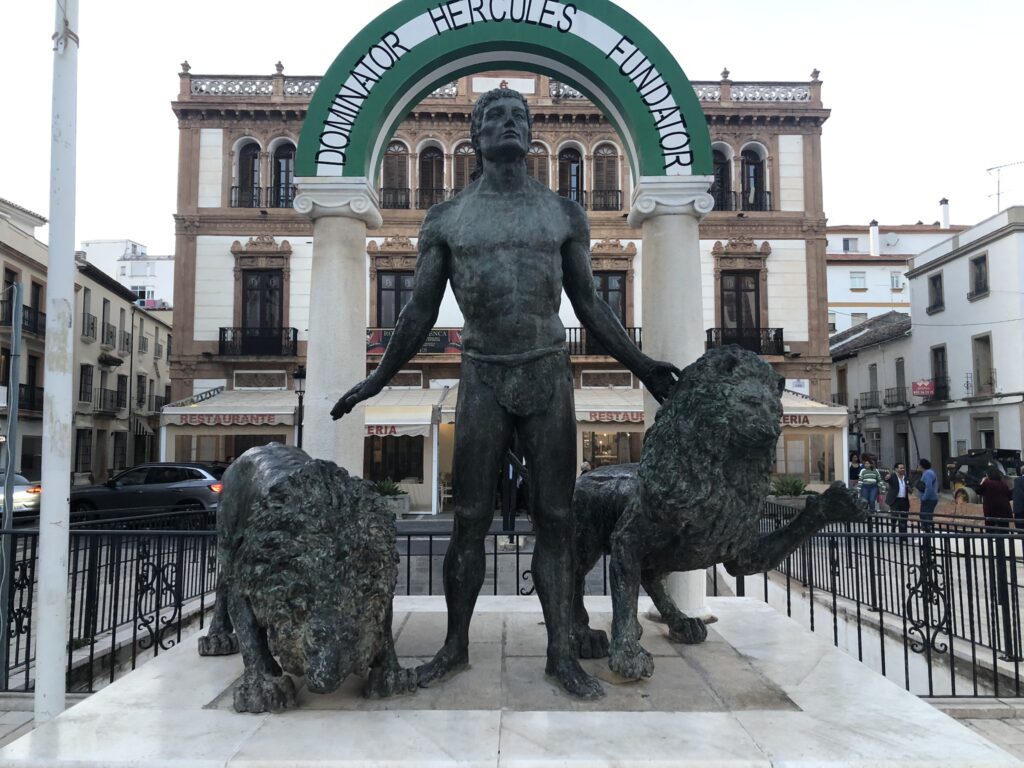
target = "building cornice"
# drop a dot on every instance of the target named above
(969, 248)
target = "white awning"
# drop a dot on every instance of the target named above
(800, 412)
(610, 406)
(403, 412)
(236, 408)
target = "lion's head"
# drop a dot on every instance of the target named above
(319, 567)
(722, 418)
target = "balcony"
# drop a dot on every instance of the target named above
(582, 342)
(109, 339)
(576, 195)
(246, 197)
(30, 398)
(265, 342)
(143, 345)
(125, 342)
(158, 351)
(281, 196)
(980, 383)
(940, 389)
(88, 328)
(110, 400)
(840, 398)
(394, 197)
(755, 200)
(725, 200)
(32, 320)
(606, 200)
(763, 341)
(156, 402)
(871, 400)
(896, 397)
(427, 197)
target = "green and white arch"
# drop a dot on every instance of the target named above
(418, 45)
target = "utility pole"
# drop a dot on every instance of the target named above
(51, 608)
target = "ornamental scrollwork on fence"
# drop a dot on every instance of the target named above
(525, 578)
(21, 585)
(447, 91)
(219, 86)
(305, 86)
(927, 608)
(708, 91)
(757, 92)
(155, 581)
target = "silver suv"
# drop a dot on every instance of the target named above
(157, 486)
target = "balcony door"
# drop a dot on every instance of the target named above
(611, 287)
(570, 175)
(262, 312)
(394, 290)
(740, 301)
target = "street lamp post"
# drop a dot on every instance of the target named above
(299, 375)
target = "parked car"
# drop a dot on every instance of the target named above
(26, 497)
(155, 486)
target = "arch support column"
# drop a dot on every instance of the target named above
(342, 209)
(668, 211)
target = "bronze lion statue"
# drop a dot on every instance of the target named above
(693, 501)
(307, 572)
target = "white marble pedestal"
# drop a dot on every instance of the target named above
(760, 692)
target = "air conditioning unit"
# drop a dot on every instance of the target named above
(141, 302)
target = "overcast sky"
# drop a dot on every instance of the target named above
(925, 96)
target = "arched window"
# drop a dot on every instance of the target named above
(754, 194)
(247, 193)
(464, 161)
(394, 190)
(606, 195)
(283, 192)
(537, 163)
(722, 187)
(570, 175)
(431, 184)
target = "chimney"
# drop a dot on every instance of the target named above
(944, 205)
(875, 249)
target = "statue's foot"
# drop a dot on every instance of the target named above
(219, 644)
(687, 630)
(384, 682)
(449, 659)
(631, 661)
(570, 675)
(260, 692)
(590, 643)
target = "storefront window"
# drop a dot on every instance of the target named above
(394, 458)
(603, 448)
(807, 455)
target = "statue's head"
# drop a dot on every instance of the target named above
(478, 119)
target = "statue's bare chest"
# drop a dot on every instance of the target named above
(518, 227)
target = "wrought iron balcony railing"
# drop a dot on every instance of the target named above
(576, 195)
(30, 398)
(109, 339)
(394, 197)
(125, 343)
(428, 196)
(980, 383)
(110, 400)
(940, 389)
(606, 200)
(582, 342)
(763, 341)
(840, 398)
(267, 342)
(755, 200)
(88, 327)
(281, 196)
(725, 199)
(246, 197)
(896, 397)
(32, 320)
(158, 351)
(870, 399)
(143, 345)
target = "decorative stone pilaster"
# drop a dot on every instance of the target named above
(668, 210)
(342, 209)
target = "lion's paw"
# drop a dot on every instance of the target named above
(687, 630)
(264, 693)
(218, 644)
(386, 682)
(631, 661)
(590, 643)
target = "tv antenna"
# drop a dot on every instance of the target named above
(999, 188)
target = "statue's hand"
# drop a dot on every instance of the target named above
(364, 390)
(660, 379)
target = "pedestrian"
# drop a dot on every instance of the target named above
(897, 497)
(855, 468)
(869, 482)
(995, 499)
(928, 488)
(960, 502)
(1018, 502)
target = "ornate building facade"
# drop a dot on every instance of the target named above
(243, 260)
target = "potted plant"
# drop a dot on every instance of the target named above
(393, 496)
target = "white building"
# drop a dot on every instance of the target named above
(960, 354)
(149, 277)
(867, 267)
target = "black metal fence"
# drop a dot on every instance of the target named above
(942, 603)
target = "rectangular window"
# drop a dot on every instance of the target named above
(394, 289)
(5, 366)
(83, 450)
(85, 384)
(936, 301)
(122, 391)
(831, 322)
(140, 389)
(394, 458)
(856, 318)
(984, 373)
(896, 280)
(858, 281)
(850, 245)
(120, 450)
(979, 276)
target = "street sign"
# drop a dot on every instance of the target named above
(923, 388)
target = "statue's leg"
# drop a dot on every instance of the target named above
(483, 436)
(386, 675)
(220, 640)
(264, 688)
(629, 542)
(681, 628)
(587, 643)
(549, 440)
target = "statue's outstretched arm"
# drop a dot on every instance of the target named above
(415, 322)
